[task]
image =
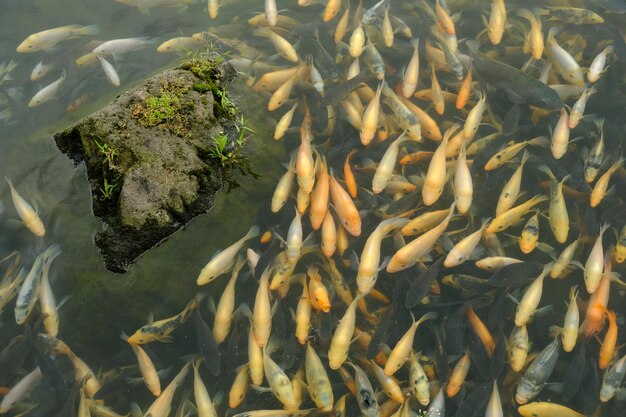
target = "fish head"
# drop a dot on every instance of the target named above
(28, 46)
(549, 101)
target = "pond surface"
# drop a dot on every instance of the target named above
(102, 304)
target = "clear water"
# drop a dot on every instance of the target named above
(104, 304)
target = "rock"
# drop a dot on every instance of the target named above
(156, 156)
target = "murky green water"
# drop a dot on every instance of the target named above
(161, 282)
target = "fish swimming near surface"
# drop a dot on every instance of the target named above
(519, 87)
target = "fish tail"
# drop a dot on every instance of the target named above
(253, 232)
(87, 30)
(526, 14)
(539, 11)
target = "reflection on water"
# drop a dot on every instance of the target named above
(161, 283)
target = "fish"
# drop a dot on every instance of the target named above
(598, 65)
(593, 161)
(497, 21)
(30, 288)
(20, 390)
(537, 373)
(560, 136)
(122, 46)
(49, 92)
(25, 211)
(465, 247)
(279, 383)
(532, 296)
(612, 379)
(511, 189)
(535, 35)
(48, 39)
(204, 404)
(408, 255)
(619, 254)
(282, 46)
(562, 61)
(365, 395)
(595, 263)
(547, 409)
(207, 345)
(369, 121)
(400, 353)
(340, 342)
(420, 286)
(518, 348)
(601, 189)
(317, 379)
(513, 215)
(222, 261)
(41, 70)
(458, 375)
(519, 87)
(146, 367)
(371, 14)
(180, 44)
(578, 109)
(435, 179)
(530, 235)
(109, 71)
(572, 15)
(345, 208)
(509, 152)
(162, 406)
(161, 330)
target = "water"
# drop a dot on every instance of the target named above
(104, 304)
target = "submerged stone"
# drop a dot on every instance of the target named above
(156, 156)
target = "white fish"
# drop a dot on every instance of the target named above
(122, 46)
(109, 71)
(271, 12)
(20, 390)
(563, 62)
(598, 64)
(40, 71)
(47, 93)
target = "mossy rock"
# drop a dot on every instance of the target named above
(157, 154)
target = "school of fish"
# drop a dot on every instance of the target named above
(447, 238)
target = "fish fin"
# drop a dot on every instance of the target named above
(63, 301)
(386, 261)
(218, 398)
(260, 389)
(165, 339)
(544, 247)
(211, 305)
(354, 260)
(150, 318)
(512, 298)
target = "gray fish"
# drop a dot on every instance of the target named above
(342, 90)
(365, 394)
(519, 87)
(538, 372)
(207, 345)
(373, 12)
(324, 61)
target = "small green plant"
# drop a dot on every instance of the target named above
(161, 108)
(108, 153)
(219, 152)
(108, 190)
